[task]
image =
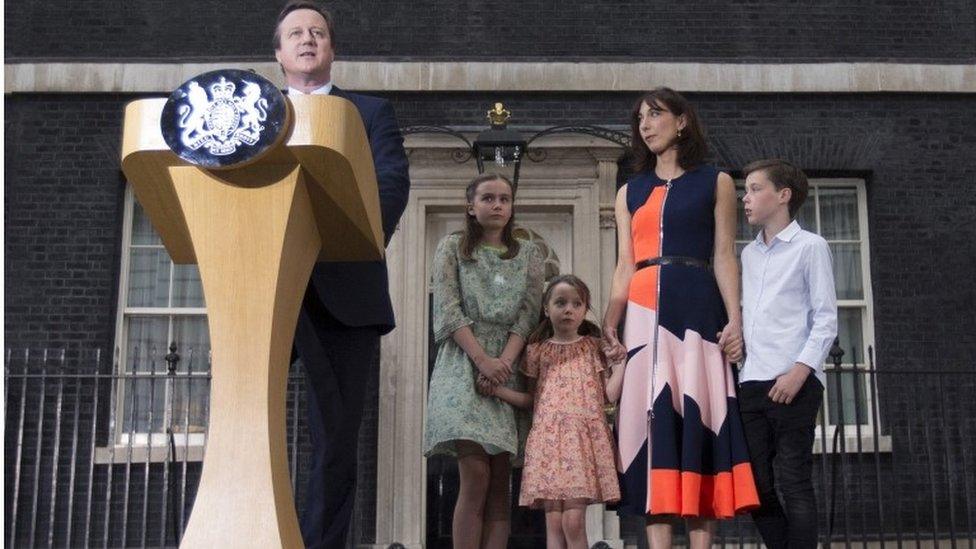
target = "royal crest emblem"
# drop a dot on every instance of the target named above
(223, 118)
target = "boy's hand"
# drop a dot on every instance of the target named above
(789, 384)
(484, 386)
(730, 340)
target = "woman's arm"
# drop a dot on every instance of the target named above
(624, 271)
(726, 267)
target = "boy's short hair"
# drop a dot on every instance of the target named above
(783, 175)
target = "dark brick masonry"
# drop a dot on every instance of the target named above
(711, 30)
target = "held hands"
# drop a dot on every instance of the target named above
(497, 370)
(730, 340)
(789, 384)
(612, 348)
(484, 386)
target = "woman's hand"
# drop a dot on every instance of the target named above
(495, 369)
(614, 351)
(730, 340)
(612, 347)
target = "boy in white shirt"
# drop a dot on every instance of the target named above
(789, 310)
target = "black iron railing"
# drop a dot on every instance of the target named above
(97, 457)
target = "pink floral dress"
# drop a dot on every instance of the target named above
(569, 453)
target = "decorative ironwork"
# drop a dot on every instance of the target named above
(505, 145)
(614, 136)
(539, 154)
(458, 155)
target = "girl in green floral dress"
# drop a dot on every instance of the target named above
(487, 289)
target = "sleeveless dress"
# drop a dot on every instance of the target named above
(681, 446)
(569, 454)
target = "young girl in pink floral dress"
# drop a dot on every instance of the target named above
(569, 456)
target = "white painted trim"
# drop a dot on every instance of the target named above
(517, 76)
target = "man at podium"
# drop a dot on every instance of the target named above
(347, 305)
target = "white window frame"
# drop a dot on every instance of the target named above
(156, 444)
(866, 304)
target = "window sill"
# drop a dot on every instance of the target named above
(158, 452)
(850, 442)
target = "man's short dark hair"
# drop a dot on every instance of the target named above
(783, 175)
(293, 5)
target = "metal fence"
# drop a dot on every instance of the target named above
(99, 457)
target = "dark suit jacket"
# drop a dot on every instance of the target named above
(357, 293)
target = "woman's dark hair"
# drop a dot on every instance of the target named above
(544, 330)
(692, 147)
(473, 231)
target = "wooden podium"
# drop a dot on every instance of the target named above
(255, 232)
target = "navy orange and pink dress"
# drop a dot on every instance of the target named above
(681, 446)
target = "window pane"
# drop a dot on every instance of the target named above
(187, 289)
(142, 230)
(148, 277)
(847, 270)
(146, 343)
(838, 214)
(743, 230)
(192, 339)
(191, 404)
(850, 406)
(141, 396)
(849, 331)
(807, 216)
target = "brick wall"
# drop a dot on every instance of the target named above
(744, 31)
(63, 212)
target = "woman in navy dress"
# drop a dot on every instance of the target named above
(681, 448)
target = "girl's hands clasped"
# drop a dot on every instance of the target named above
(497, 370)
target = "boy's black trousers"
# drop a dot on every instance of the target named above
(780, 440)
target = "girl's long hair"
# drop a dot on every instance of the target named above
(473, 231)
(544, 330)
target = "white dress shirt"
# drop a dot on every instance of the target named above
(324, 90)
(789, 304)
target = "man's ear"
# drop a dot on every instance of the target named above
(785, 195)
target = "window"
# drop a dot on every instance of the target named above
(159, 303)
(836, 209)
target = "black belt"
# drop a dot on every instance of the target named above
(674, 260)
